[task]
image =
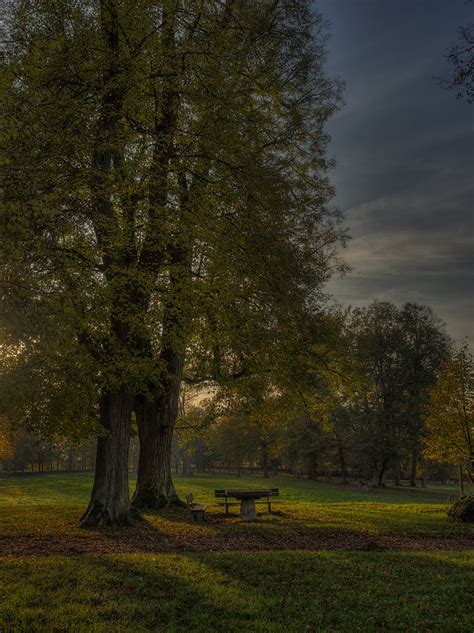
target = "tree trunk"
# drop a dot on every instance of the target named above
(156, 420)
(187, 470)
(265, 466)
(69, 459)
(461, 482)
(110, 501)
(342, 461)
(313, 465)
(414, 465)
(381, 474)
(155, 488)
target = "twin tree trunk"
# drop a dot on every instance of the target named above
(110, 500)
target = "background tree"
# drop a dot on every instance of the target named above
(425, 345)
(235, 439)
(7, 449)
(377, 391)
(450, 417)
(461, 59)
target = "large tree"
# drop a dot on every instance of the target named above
(163, 171)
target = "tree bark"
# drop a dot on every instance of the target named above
(156, 420)
(155, 488)
(461, 482)
(381, 474)
(313, 465)
(414, 465)
(342, 460)
(110, 501)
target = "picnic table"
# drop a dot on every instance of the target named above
(247, 498)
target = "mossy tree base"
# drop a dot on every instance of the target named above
(153, 499)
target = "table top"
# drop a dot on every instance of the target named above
(249, 494)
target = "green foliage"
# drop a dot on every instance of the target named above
(163, 190)
(393, 355)
(450, 416)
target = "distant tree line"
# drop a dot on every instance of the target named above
(392, 399)
(389, 397)
(23, 451)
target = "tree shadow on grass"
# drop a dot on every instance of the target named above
(265, 591)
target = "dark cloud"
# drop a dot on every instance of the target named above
(405, 157)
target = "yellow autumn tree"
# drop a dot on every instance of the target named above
(450, 417)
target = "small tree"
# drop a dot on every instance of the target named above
(461, 59)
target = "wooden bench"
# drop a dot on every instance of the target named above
(222, 494)
(274, 492)
(196, 510)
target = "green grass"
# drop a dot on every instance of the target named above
(35, 504)
(277, 592)
(271, 591)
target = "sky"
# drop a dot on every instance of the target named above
(404, 150)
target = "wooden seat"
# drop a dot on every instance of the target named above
(274, 492)
(197, 510)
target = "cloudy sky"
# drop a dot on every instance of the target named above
(405, 156)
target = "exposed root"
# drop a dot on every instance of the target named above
(99, 515)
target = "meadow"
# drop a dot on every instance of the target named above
(331, 558)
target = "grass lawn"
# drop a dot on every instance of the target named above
(307, 568)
